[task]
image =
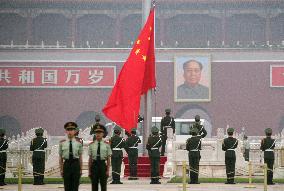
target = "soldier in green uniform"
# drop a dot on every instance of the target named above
(132, 150)
(153, 145)
(70, 158)
(93, 128)
(167, 122)
(229, 145)
(117, 143)
(267, 145)
(99, 160)
(193, 145)
(201, 130)
(38, 145)
(3, 156)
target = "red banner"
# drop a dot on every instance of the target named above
(277, 76)
(57, 76)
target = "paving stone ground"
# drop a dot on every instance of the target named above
(143, 185)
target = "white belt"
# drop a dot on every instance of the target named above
(230, 149)
(133, 147)
(40, 150)
(154, 148)
(4, 151)
(194, 150)
(117, 149)
(269, 150)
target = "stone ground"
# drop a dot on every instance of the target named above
(143, 185)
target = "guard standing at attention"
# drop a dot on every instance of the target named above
(229, 145)
(70, 158)
(193, 145)
(38, 145)
(117, 143)
(132, 150)
(267, 145)
(99, 160)
(153, 145)
(167, 122)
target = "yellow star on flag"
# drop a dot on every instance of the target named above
(137, 51)
(138, 42)
(144, 58)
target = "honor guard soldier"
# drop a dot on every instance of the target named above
(99, 160)
(193, 145)
(167, 122)
(70, 158)
(77, 136)
(132, 150)
(153, 145)
(201, 130)
(38, 145)
(3, 156)
(117, 143)
(229, 145)
(267, 145)
(93, 128)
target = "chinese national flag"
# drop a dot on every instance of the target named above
(136, 77)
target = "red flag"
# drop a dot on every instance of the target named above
(136, 77)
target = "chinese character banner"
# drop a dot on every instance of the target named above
(57, 76)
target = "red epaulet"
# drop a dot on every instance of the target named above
(91, 142)
(107, 142)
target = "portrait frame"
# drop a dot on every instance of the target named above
(205, 79)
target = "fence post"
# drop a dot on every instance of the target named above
(184, 176)
(265, 177)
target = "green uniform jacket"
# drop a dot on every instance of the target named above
(167, 121)
(153, 145)
(228, 144)
(193, 144)
(38, 143)
(132, 141)
(201, 130)
(268, 143)
(119, 143)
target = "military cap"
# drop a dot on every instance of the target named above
(194, 130)
(268, 131)
(154, 129)
(99, 128)
(168, 110)
(117, 128)
(97, 117)
(39, 131)
(230, 130)
(133, 130)
(70, 125)
(2, 131)
(197, 118)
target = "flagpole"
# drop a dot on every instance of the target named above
(146, 7)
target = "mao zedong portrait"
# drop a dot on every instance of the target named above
(191, 88)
